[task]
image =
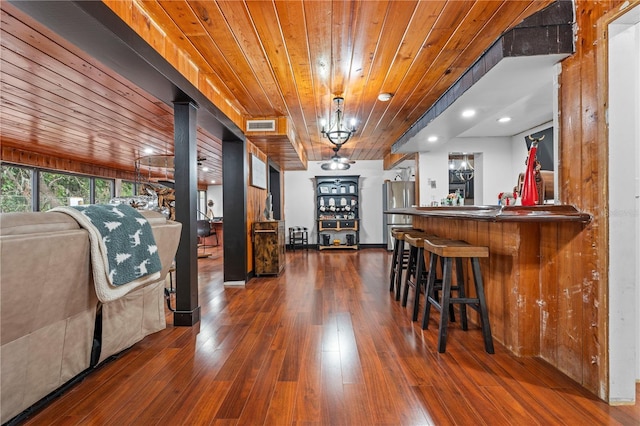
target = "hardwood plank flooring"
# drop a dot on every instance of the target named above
(325, 343)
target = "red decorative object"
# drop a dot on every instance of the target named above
(529, 196)
(507, 198)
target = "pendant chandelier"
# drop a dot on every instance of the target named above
(461, 168)
(466, 171)
(338, 133)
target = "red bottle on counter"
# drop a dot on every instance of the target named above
(529, 195)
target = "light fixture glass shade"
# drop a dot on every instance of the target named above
(338, 133)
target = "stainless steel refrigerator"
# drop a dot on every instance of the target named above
(395, 195)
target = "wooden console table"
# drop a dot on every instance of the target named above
(268, 247)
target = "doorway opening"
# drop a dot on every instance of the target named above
(624, 205)
(461, 176)
(275, 190)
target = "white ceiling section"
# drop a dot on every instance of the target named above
(516, 87)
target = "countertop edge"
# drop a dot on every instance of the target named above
(538, 213)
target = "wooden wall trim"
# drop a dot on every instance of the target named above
(28, 158)
(391, 160)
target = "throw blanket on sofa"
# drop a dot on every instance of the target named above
(124, 255)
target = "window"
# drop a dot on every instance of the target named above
(127, 189)
(58, 189)
(19, 192)
(16, 185)
(103, 190)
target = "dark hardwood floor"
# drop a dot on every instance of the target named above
(323, 344)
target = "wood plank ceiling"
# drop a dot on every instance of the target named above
(266, 59)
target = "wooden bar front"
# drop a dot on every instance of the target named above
(522, 270)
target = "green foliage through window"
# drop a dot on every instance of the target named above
(58, 189)
(15, 183)
(127, 189)
(55, 189)
(103, 190)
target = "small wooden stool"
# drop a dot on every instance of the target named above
(298, 236)
(448, 250)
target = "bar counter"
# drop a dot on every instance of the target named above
(528, 274)
(539, 213)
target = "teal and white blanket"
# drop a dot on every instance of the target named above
(124, 254)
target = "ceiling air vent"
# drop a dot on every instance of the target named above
(261, 125)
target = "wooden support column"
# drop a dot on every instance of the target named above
(234, 195)
(186, 185)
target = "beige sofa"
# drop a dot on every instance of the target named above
(48, 305)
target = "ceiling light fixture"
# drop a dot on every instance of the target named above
(504, 119)
(338, 134)
(468, 113)
(205, 169)
(385, 97)
(465, 171)
(432, 139)
(336, 163)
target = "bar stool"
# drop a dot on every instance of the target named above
(447, 251)
(399, 259)
(416, 274)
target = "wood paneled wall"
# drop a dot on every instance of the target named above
(256, 198)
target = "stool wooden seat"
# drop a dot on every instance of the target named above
(399, 260)
(447, 251)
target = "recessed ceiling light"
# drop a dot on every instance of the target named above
(205, 169)
(432, 138)
(148, 150)
(468, 113)
(385, 97)
(504, 119)
(213, 181)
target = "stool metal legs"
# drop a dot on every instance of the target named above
(400, 266)
(430, 293)
(394, 265)
(411, 267)
(478, 303)
(482, 305)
